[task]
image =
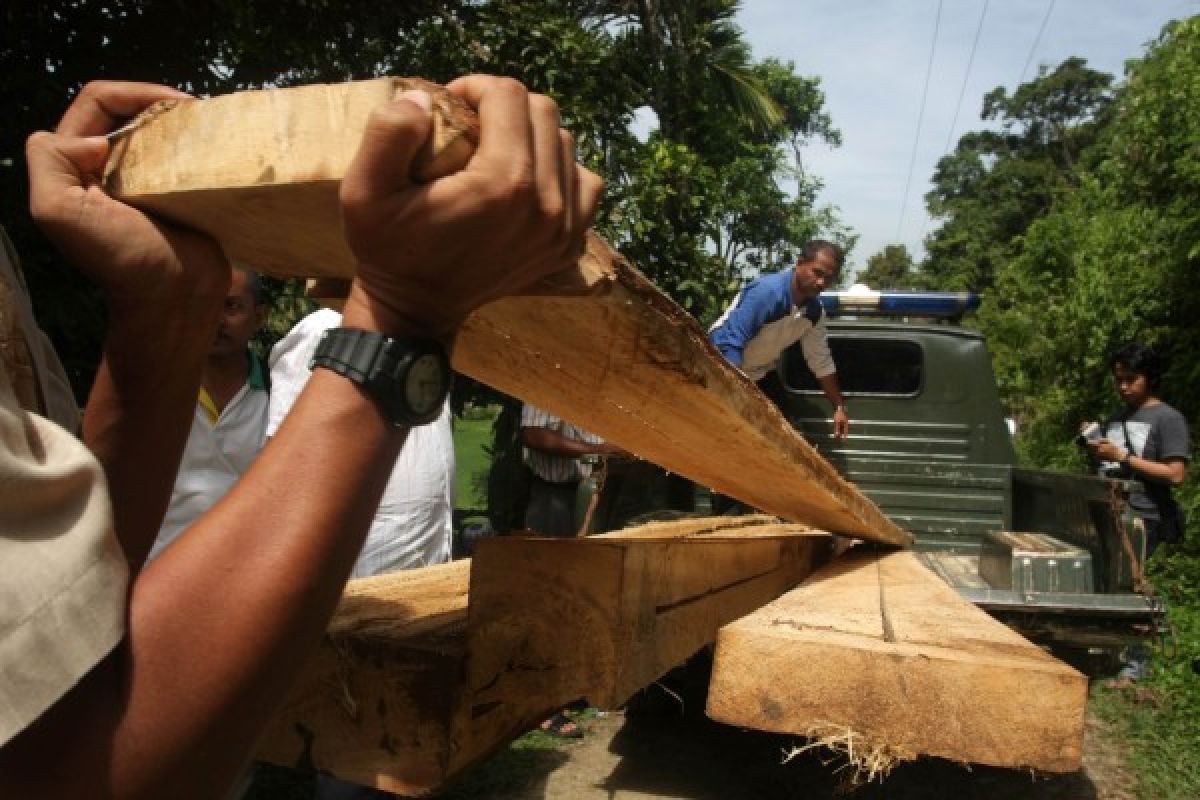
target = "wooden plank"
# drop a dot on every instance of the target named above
(876, 647)
(615, 613)
(411, 688)
(373, 704)
(598, 345)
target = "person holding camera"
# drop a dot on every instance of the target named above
(1147, 441)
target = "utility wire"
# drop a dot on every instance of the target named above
(1036, 41)
(966, 76)
(937, 23)
(962, 92)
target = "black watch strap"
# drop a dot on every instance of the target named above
(382, 365)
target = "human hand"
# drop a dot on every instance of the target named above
(429, 254)
(613, 451)
(122, 250)
(841, 422)
(1106, 450)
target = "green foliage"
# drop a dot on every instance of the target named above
(1083, 213)
(697, 207)
(995, 183)
(891, 268)
(472, 437)
(1159, 721)
(1113, 261)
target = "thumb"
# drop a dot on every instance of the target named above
(57, 163)
(395, 132)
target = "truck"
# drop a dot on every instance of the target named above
(1057, 556)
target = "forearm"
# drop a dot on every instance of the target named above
(220, 624)
(832, 389)
(1171, 472)
(141, 405)
(555, 444)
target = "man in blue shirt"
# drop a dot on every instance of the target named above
(779, 309)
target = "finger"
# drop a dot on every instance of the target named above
(566, 167)
(101, 105)
(547, 156)
(589, 188)
(395, 132)
(59, 163)
(505, 133)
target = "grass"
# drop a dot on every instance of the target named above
(524, 762)
(1158, 721)
(471, 436)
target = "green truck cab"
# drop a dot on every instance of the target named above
(1055, 555)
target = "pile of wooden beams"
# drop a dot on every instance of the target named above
(414, 684)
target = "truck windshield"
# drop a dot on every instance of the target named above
(864, 366)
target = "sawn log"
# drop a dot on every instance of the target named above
(412, 686)
(598, 345)
(877, 653)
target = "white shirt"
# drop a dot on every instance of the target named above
(549, 467)
(215, 457)
(413, 526)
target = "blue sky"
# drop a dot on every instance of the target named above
(872, 55)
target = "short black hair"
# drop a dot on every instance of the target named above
(1139, 358)
(814, 247)
(254, 283)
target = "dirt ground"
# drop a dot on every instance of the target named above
(662, 754)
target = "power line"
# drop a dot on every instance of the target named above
(1036, 41)
(966, 76)
(962, 91)
(937, 23)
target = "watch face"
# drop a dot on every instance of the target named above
(423, 384)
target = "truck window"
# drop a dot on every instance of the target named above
(864, 366)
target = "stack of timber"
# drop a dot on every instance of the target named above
(876, 653)
(415, 683)
(598, 345)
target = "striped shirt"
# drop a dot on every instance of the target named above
(762, 322)
(549, 467)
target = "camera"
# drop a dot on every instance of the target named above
(1090, 434)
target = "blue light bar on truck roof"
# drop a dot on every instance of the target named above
(863, 302)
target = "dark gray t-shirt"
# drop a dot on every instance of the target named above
(1158, 433)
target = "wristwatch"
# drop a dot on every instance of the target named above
(408, 378)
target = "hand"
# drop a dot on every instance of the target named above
(612, 451)
(1106, 450)
(429, 254)
(118, 247)
(841, 422)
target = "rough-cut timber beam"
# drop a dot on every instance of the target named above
(877, 650)
(553, 620)
(410, 688)
(374, 703)
(598, 345)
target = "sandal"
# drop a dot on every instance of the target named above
(561, 726)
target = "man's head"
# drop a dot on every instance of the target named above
(244, 313)
(817, 268)
(1136, 370)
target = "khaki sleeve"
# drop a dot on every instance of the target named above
(63, 580)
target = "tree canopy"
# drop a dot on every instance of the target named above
(1079, 219)
(706, 198)
(996, 182)
(891, 268)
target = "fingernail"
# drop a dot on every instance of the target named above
(419, 97)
